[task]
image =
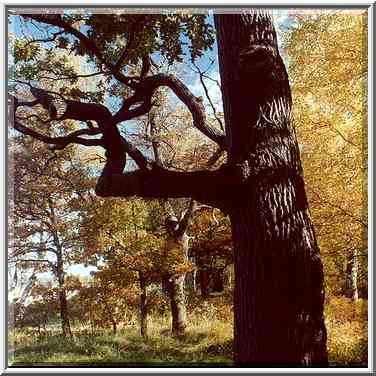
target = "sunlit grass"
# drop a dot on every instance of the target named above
(204, 344)
(208, 340)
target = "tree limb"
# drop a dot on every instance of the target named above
(58, 142)
(214, 188)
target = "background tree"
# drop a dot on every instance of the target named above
(46, 223)
(104, 300)
(212, 251)
(127, 241)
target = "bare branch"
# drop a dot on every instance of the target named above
(63, 77)
(36, 260)
(334, 129)
(201, 75)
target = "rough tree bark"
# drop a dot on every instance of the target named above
(279, 295)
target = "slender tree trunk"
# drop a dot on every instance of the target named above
(278, 295)
(114, 327)
(92, 326)
(143, 307)
(228, 282)
(194, 278)
(351, 290)
(190, 279)
(64, 314)
(203, 274)
(217, 280)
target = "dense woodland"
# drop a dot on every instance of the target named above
(202, 234)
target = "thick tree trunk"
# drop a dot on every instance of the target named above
(177, 303)
(175, 288)
(143, 307)
(194, 279)
(278, 296)
(177, 243)
(351, 290)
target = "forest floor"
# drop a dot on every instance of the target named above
(208, 341)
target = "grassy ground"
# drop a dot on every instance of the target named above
(205, 344)
(208, 341)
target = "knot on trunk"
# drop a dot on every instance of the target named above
(256, 59)
(239, 172)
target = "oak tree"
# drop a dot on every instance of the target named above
(279, 297)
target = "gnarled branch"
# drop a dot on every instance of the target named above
(59, 142)
(147, 88)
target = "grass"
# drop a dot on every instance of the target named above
(208, 341)
(347, 328)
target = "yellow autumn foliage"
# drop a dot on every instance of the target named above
(327, 64)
